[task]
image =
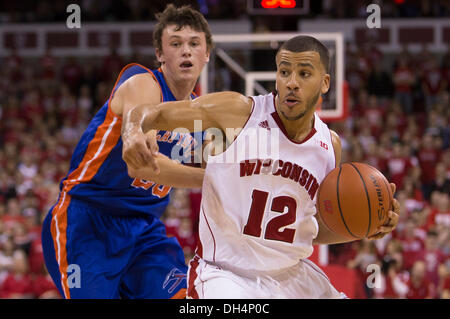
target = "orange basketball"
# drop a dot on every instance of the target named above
(353, 200)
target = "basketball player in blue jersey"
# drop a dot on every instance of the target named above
(103, 237)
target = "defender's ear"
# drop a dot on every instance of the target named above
(159, 55)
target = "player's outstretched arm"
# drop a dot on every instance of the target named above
(171, 173)
(216, 110)
(138, 90)
(219, 110)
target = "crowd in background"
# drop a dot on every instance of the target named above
(398, 121)
(142, 10)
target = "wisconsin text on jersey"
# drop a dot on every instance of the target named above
(281, 168)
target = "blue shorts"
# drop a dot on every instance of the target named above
(90, 254)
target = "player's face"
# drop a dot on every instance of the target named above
(301, 79)
(184, 53)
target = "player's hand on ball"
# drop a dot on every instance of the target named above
(140, 150)
(392, 221)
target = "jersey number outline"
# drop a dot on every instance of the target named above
(256, 214)
(158, 190)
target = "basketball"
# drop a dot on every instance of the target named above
(353, 200)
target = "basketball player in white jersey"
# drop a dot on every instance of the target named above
(258, 221)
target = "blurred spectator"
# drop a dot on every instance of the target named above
(428, 156)
(171, 220)
(392, 284)
(18, 283)
(398, 165)
(403, 81)
(439, 217)
(444, 282)
(379, 82)
(441, 181)
(433, 83)
(185, 234)
(72, 74)
(43, 286)
(6, 258)
(112, 64)
(85, 105)
(433, 257)
(412, 244)
(419, 287)
(365, 256)
(48, 65)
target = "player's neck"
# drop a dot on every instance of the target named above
(181, 90)
(299, 129)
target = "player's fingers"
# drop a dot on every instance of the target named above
(153, 163)
(390, 224)
(130, 161)
(152, 150)
(136, 156)
(393, 188)
(152, 143)
(393, 219)
(377, 236)
(396, 206)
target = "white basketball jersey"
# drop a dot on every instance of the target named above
(258, 205)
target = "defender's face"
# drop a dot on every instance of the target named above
(301, 79)
(184, 53)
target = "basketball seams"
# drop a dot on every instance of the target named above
(319, 210)
(386, 184)
(345, 193)
(339, 203)
(368, 198)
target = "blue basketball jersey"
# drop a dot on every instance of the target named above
(98, 174)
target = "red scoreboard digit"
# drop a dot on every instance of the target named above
(281, 7)
(268, 4)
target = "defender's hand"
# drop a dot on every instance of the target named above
(140, 149)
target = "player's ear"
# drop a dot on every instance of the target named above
(325, 83)
(208, 54)
(159, 55)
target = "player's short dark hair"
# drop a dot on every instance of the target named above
(181, 17)
(304, 43)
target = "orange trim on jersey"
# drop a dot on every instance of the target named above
(181, 294)
(105, 139)
(98, 149)
(58, 228)
(126, 67)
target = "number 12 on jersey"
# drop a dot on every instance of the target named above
(256, 214)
